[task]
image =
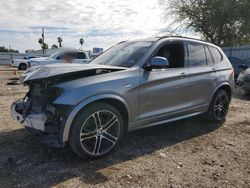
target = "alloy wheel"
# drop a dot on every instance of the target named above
(100, 132)
(221, 106)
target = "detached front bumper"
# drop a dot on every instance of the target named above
(35, 121)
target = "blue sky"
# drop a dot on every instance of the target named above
(101, 23)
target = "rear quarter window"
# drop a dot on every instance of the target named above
(209, 56)
(215, 54)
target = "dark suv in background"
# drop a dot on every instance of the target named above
(134, 84)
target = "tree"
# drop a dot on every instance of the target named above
(81, 41)
(3, 49)
(59, 40)
(222, 22)
(29, 50)
(40, 41)
(53, 46)
(43, 44)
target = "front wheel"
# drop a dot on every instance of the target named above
(22, 66)
(96, 131)
(219, 106)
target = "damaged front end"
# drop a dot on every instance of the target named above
(38, 111)
(39, 115)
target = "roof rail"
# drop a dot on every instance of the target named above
(178, 36)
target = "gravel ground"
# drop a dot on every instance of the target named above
(188, 153)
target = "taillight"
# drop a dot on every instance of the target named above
(232, 72)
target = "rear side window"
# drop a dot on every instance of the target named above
(80, 55)
(209, 56)
(216, 54)
(196, 54)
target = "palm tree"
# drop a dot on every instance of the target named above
(40, 41)
(81, 41)
(45, 46)
(59, 40)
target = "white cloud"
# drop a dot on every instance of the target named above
(101, 23)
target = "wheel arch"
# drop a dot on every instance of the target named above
(226, 86)
(114, 100)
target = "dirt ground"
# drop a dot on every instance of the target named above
(188, 153)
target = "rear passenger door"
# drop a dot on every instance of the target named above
(202, 74)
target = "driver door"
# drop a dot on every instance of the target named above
(164, 92)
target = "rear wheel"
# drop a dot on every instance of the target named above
(22, 66)
(96, 131)
(219, 106)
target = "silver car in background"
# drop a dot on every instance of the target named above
(134, 84)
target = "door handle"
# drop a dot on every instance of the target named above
(183, 74)
(213, 69)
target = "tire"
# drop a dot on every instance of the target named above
(92, 137)
(22, 66)
(219, 106)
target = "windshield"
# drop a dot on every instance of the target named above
(126, 54)
(54, 55)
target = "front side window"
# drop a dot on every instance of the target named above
(126, 54)
(196, 54)
(174, 53)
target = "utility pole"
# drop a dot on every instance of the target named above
(43, 40)
(10, 51)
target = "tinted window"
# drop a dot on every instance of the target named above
(196, 54)
(209, 56)
(174, 53)
(216, 54)
(80, 55)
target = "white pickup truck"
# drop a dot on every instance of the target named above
(62, 56)
(22, 64)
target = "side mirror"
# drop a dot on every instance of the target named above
(158, 63)
(242, 66)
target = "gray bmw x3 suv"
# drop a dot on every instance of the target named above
(134, 84)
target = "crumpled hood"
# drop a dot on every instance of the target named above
(53, 70)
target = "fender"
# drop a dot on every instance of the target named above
(217, 87)
(84, 103)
